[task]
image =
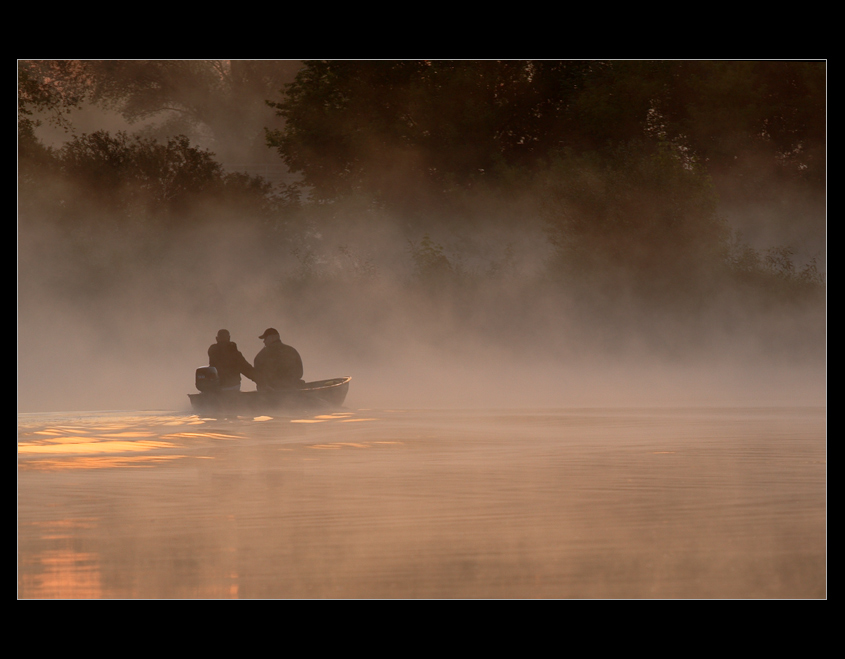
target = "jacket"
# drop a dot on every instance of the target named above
(230, 363)
(278, 366)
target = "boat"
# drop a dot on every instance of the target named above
(318, 395)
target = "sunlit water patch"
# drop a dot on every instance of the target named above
(577, 503)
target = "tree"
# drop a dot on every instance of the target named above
(46, 91)
(639, 218)
(48, 88)
(759, 120)
(217, 102)
(127, 182)
(404, 130)
(366, 125)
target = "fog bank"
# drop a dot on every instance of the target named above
(128, 333)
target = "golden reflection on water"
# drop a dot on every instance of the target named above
(119, 462)
(70, 445)
(85, 444)
(337, 416)
(66, 574)
(209, 435)
(55, 560)
(62, 572)
(424, 504)
(77, 443)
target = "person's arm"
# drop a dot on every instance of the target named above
(247, 369)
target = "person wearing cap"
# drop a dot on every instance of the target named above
(229, 362)
(277, 366)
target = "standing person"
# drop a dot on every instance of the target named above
(277, 366)
(229, 362)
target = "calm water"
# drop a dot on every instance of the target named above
(564, 503)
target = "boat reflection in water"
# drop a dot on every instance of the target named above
(354, 503)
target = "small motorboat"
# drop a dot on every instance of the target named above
(319, 395)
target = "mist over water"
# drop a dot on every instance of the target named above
(553, 394)
(110, 320)
(461, 305)
(529, 503)
(135, 338)
(498, 441)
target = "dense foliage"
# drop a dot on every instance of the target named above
(221, 102)
(132, 182)
(368, 125)
(627, 163)
(623, 166)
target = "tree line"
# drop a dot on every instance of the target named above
(625, 165)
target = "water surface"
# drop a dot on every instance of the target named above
(531, 503)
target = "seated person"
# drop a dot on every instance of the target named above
(229, 362)
(277, 366)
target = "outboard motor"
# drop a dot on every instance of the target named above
(207, 379)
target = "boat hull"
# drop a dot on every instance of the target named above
(320, 395)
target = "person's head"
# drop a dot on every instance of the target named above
(270, 335)
(223, 336)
